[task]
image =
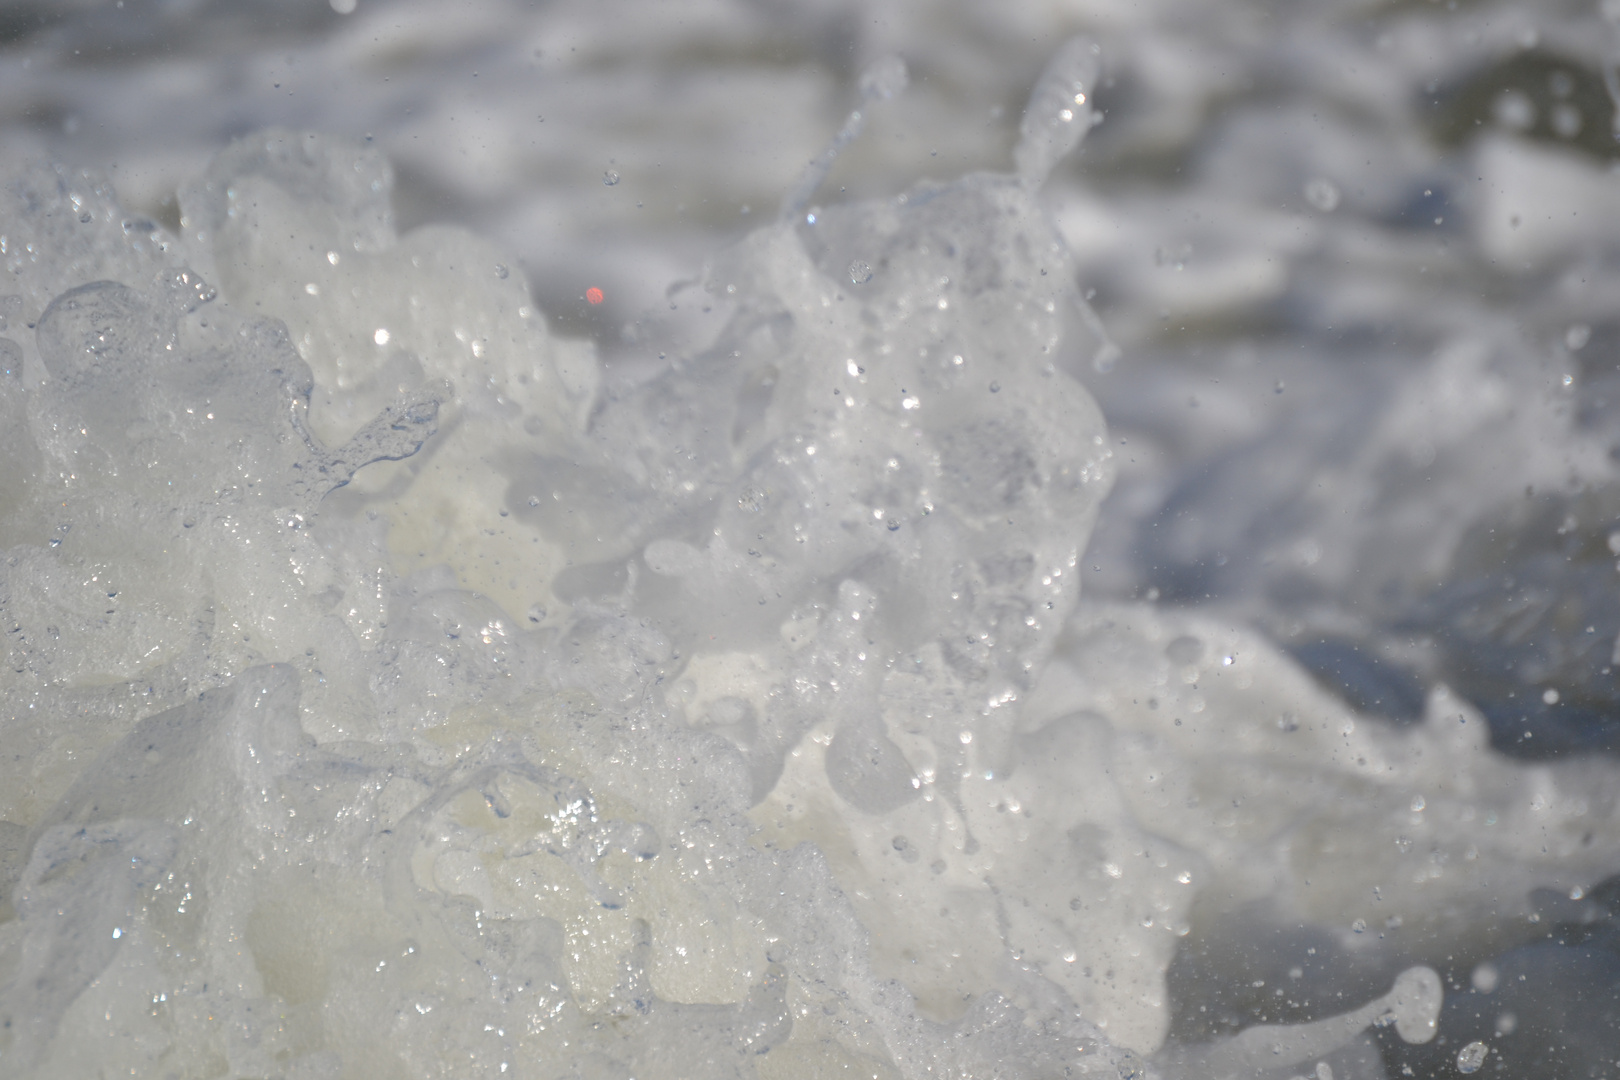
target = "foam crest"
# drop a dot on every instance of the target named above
(1060, 110)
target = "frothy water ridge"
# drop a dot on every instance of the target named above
(419, 665)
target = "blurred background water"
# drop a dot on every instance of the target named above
(1359, 258)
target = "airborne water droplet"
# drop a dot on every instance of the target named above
(884, 78)
(859, 273)
(610, 178)
(1471, 1057)
(1323, 194)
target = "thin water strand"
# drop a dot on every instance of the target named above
(883, 79)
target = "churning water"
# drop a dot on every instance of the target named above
(726, 539)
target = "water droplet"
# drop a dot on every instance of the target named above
(859, 272)
(1514, 110)
(1485, 978)
(1415, 1002)
(1418, 803)
(1472, 1056)
(1576, 337)
(1567, 120)
(1549, 696)
(1323, 194)
(884, 78)
(610, 178)
(995, 388)
(1131, 1068)
(1359, 926)
(502, 272)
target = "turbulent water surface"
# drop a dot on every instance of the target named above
(705, 539)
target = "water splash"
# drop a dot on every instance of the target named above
(1060, 111)
(883, 79)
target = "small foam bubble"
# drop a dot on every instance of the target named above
(1323, 194)
(1472, 1056)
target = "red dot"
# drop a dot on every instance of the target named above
(593, 294)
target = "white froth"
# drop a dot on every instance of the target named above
(387, 696)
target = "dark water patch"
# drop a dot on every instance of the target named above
(1367, 681)
(1527, 628)
(1537, 94)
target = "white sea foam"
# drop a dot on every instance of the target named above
(389, 694)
